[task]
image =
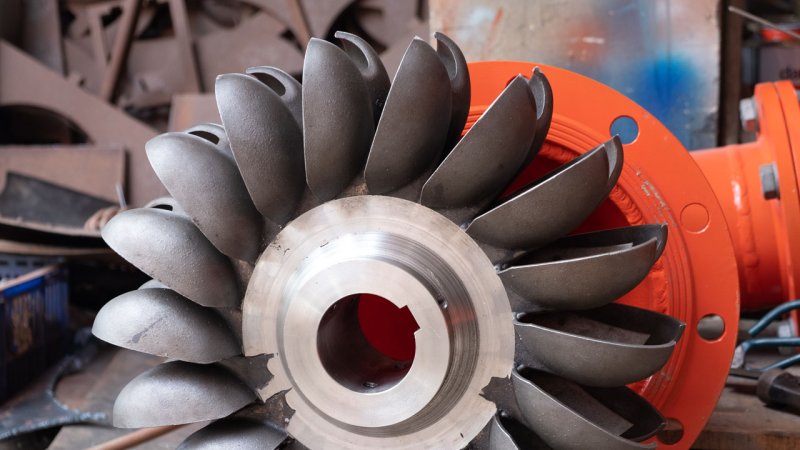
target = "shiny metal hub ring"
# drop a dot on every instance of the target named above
(415, 258)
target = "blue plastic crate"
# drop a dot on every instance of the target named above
(34, 325)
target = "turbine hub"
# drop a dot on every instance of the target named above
(301, 306)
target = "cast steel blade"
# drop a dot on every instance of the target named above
(337, 119)
(207, 183)
(500, 438)
(508, 433)
(413, 127)
(285, 86)
(168, 247)
(153, 284)
(166, 203)
(613, 345)
(372, 70)
(213, 133)
(163, 323)
(235, 433)
(178, 392)
(569, 416)
(600, 266)
(485, 160)
(456, 65)
(555, 204)
(266, 142)
(543, 94)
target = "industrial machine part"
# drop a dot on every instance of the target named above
(318, 205)
(779, 387)
(757, 185)
(776, 387)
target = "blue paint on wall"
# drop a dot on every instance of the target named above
(666, 87)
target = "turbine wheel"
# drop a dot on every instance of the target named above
(316, 201)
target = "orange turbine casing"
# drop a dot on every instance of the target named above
(765, 232)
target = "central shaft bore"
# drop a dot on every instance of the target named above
(366, 343)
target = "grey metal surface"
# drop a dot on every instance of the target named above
(338, 124)
(508, 433)
(236, 433)
(555, 204)
(166, 203)
(568, 416)
(543, 94)
(413, 127)
(266, 141)
(608, 346)
(369, 64)
(168, 247)
(770, 188)
(163, 323)
(31, 200)
(600, 266)
(212, 132)
(470, 175)
(457, 70)
(283, 84)
(153, 284)
(217, 200)
(178, 392)
(500, 438)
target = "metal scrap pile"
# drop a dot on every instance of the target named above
(84, 84)
(89, 82)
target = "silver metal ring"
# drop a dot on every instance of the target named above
(415, 258)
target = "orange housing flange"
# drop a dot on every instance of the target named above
(660, 183)
(763, 214)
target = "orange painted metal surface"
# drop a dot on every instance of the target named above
(764, 231)
(697, 275)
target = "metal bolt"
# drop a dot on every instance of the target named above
(748, 114)
(769, 181)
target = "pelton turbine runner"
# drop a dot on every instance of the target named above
(311, 201)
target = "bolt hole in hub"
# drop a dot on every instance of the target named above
(366, 343)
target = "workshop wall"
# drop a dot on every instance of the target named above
(663, 54)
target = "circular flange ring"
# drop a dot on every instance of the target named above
(413, 257)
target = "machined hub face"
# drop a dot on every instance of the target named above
(414, 257)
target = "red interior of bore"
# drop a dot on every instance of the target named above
(386, 327)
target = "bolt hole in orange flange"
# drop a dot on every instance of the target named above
(626, 128)
(696, 278)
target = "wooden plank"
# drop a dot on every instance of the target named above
(742, 422)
